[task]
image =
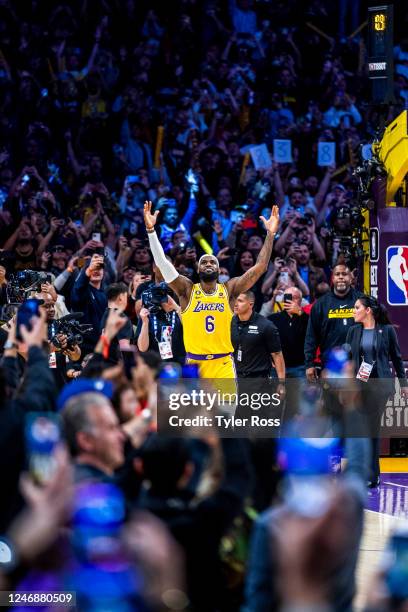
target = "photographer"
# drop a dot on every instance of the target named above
(59, 346)
(117, 295)
(159, 327)
(88, 297)
(146, 283)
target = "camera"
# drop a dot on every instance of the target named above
(353, 214)
(70, 327)
(90, 197)
(31, 181)
(155, 296)
(23, 282)
(306, 220)
(183, 246)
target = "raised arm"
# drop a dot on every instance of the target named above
(181, 285)
(242, 283)
(280, 194)
(191, 211)
(323, 187)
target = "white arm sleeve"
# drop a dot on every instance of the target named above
(167, 269)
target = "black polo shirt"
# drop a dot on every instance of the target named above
(292, 333)
(256, 338)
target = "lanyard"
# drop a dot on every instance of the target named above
(156, 325)
(242, 329)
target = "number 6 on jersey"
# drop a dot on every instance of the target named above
(209, 324)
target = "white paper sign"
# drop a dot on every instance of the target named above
(326, 154)
(282, 151)
(260, 156)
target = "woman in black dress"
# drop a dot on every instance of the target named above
(373, 344)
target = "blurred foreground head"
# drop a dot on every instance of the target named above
(92, 432)
(166, 463)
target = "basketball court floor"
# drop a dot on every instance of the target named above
(386, 507)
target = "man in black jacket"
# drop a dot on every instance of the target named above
(88, 297)
(38, 393)
(330, 319)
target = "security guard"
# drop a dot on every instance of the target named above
(256, 342)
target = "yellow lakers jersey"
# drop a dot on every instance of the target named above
(207, 322)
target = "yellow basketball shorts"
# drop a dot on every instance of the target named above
(223, 367)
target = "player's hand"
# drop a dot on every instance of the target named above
(272, 224)
(149, 218)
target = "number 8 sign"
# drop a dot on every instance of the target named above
(326, 155)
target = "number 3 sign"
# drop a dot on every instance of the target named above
(282, 151)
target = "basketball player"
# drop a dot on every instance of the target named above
(206, 307)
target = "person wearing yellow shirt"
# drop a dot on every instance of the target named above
(206, 307)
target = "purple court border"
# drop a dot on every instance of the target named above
(391, 497)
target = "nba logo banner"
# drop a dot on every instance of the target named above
(397, 275)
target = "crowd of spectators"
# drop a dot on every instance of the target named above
(103, 109)
(106, 105)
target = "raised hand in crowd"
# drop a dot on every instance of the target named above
(48, 509)
(96, 263)
(49, 288)
(114, 323)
